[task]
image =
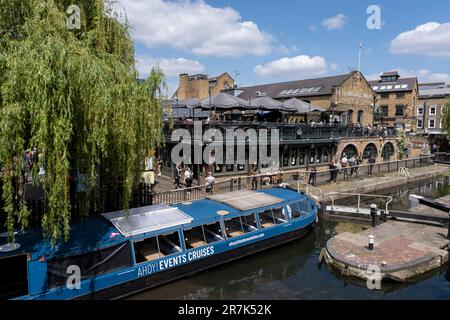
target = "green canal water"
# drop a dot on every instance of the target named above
(292, 271)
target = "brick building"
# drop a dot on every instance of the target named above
(432, 98)
(348, 98)
(199, 85)
(396, 101)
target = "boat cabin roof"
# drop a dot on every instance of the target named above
(115, 228)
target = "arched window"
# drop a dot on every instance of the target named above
(388, 151)
(349, 151)
(350, 116)
(360, 115)
(369, 151)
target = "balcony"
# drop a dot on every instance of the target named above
(288, 133)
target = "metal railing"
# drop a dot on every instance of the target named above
(359, 196)
(442, 157)
(295, 177)
(288, 131)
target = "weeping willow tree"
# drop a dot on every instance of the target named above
(72, 94)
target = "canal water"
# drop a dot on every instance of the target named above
(292, 271)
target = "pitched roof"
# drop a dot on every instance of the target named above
(434, 93)
(299, 88)
(402, 84)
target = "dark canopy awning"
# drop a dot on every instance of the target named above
(225, 101)
(301, 107)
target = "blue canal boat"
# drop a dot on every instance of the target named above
(120, 254)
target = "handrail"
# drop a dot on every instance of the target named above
(307, 188)
(390, 199)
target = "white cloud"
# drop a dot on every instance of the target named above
(423, 75)
(431, 39)
(195, 27)
(334, 66)
(171, 67)
(296, 67)
(336, 22)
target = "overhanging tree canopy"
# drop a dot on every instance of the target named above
(71, 94)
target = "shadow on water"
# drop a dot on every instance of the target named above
(292, 271)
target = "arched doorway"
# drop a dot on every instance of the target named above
(388, 151)
(369, 151)
(350, 151)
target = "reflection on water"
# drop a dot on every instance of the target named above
(292, 271)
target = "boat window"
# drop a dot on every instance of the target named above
(298, 209)
(267, 219)
(194, 238)
(157, 247)
(213, 232)
(147, 250)
(91, 264)
(234, 227)
(279, 216)
(169, 244)
(13, 277)
(249, 223)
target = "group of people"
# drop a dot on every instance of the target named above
(188, 177)
(347, 166)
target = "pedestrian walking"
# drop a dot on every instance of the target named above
(372, 161)
(177, 176)
(188, 177)
(209, 183)
(332, 169)
(312, 176)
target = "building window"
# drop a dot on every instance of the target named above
(385, 95)
(400, 95)
(431, 124)
(384, 111)
(399, 111)
(360, 116)
(420, 111)
(419, 123)
(432, 111)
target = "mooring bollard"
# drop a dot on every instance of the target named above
(374, 214)
(371, 242)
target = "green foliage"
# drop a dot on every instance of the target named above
(446, 116)
(74, 96)
(402, 143)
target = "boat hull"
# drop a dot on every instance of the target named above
(152, 281)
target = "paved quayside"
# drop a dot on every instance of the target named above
(402, 251)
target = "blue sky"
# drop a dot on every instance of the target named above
(270, 41)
